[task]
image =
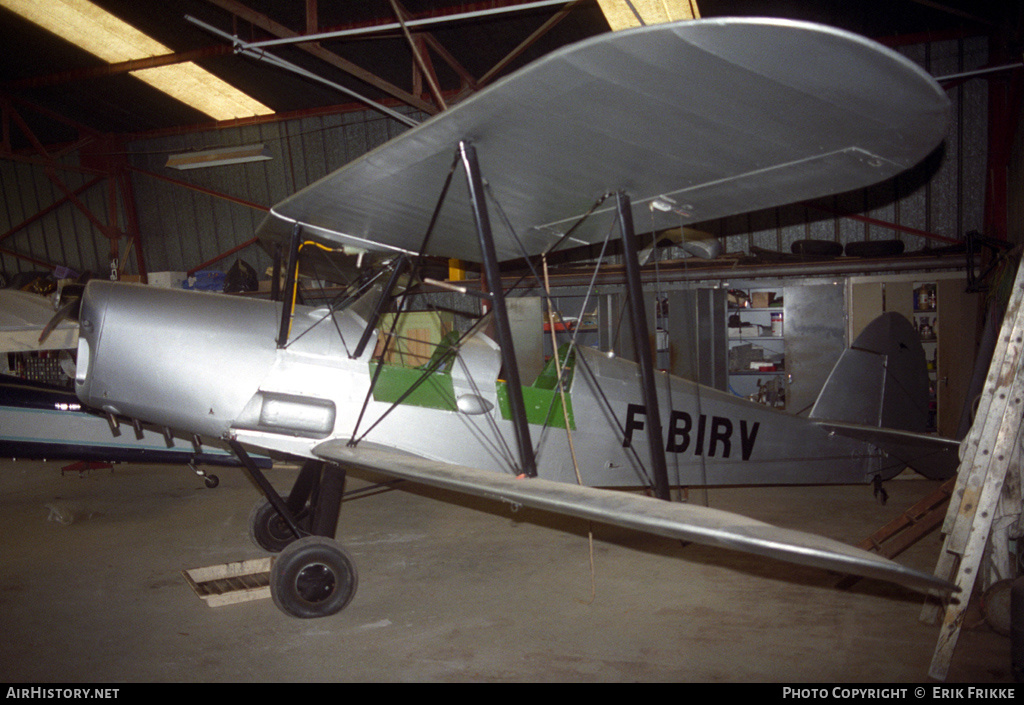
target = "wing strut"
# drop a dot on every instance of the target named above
(492, 274)
(642, 345)
(371, 325)
(289, 286)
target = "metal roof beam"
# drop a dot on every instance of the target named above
(526, 43)
(60, 77)
(278, 30)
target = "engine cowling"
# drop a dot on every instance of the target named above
(174, 358)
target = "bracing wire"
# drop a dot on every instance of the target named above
(595, 384)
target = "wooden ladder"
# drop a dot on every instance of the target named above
(985, 457)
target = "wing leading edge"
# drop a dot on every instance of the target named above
(671, 519)
(695, 120)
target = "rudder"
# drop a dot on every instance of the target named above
(881, 380)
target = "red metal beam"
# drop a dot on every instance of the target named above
(53, 79)
(223, 255)
(82, 129)
(277, 29)
(132, 220)
(28, 258)
(200, 189)
(1005, 94)
(883, 224)
(50, 208)
(208, 192)
(50, 164)
(525, 44)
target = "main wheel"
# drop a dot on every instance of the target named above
(313, 577)
(268, 530)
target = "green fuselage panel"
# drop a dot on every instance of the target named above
(408, 385)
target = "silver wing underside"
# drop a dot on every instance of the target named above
(671, 519)
(695, 120)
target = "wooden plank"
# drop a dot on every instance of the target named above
(908, 528)
(230, 583)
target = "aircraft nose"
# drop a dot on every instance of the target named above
(90, 315)
(185, 360)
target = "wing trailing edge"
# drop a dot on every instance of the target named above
(670, 519)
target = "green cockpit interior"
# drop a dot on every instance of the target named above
(430, 384)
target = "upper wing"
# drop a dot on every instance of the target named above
(695, 120)
(672, 519)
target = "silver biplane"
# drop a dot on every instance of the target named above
(674, 123)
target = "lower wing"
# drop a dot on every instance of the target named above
(671, 519)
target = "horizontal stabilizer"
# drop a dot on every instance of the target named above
(671, 519)
(934, 457)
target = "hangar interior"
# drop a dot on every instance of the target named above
(104, 175)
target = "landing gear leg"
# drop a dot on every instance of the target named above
(880, 493)
(313, 576)
(313, 505)
(269, 529)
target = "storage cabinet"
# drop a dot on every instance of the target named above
(925, 318)
(755, 330)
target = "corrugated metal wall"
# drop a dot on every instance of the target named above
(182, 228)
(64, 236)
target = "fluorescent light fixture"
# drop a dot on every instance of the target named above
(219, 157)
(623, 14)
(103, 35)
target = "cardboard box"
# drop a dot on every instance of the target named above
(417, 335)
(167, 280)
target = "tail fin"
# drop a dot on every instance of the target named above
(878, 393)
(881, 380)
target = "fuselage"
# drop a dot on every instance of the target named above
(209, 364)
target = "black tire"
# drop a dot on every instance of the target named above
(267, 529)
(313, 577)
(816, 248)
(874, 248)
(211, 481)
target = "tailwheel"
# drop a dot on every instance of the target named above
(268, 529)
(313, 577)
(211, 481)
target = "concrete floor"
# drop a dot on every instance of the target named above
(450, 589)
